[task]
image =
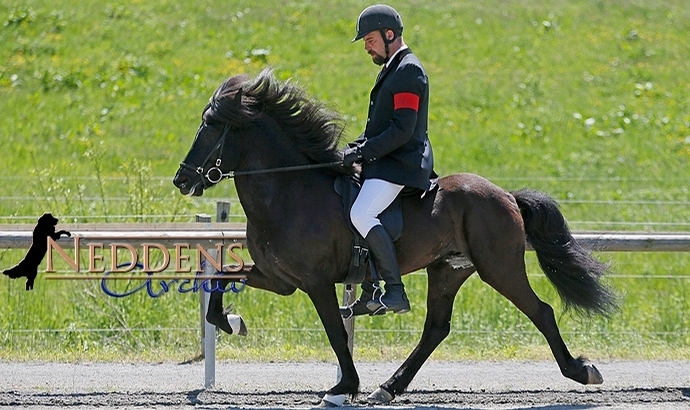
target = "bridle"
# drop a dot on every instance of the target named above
(214, 174)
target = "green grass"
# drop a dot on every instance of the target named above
(586, 100)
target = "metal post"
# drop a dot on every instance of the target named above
(223, 211)
(210, 330)
(349, 297)
(202, 297)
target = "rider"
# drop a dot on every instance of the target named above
(394, 148)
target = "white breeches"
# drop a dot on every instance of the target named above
(374, 197)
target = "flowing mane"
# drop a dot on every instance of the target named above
(314, 129)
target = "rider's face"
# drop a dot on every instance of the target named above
(374, 45)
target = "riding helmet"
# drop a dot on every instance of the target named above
(378, 17)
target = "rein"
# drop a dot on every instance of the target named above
(214, 174)
(233, 174)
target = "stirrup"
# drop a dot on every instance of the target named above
(359, 306)
(377, 305)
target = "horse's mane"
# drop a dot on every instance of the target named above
(314, 129)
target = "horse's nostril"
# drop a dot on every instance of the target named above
(180, 182)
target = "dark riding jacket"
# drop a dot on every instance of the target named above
(395, 144)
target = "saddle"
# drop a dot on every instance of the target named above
(348, 188)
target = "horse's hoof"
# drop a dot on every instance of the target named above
(237, 324)
(380, 396)
(332, 400)
(593, 375)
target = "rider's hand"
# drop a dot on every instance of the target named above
(350, 156)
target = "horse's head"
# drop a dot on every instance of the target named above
(213, 154)
(300, 130)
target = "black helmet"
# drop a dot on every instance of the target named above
(378, 17)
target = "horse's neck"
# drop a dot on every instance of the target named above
(275, 148)
(275, 204)
(273, 196)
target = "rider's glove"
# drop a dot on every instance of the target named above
(351, 155)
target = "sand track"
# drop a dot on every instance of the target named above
(439, 385)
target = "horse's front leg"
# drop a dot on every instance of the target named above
(326, 303)
(223, 318)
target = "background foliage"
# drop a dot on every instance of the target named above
(587, 100)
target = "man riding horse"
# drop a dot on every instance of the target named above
(467, 217)
(394, 149)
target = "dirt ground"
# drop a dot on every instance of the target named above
(439, 385)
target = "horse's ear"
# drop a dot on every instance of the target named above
(237, 99)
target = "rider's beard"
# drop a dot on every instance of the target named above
(378, 59)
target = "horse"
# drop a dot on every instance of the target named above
(281, 147)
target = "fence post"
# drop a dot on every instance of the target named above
(202, 297)
(349, 297)
(210, 330)
(223, 211)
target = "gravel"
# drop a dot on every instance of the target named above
(439, 385)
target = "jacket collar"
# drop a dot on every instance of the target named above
(393, 63)
(392, 59)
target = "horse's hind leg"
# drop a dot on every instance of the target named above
(510, 280)
(444, 282)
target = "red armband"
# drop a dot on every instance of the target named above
(406, 100)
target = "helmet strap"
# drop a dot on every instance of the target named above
(386, 42)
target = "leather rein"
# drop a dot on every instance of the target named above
(214, 174)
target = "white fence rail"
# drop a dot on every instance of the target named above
(19, 236)
(210, 234)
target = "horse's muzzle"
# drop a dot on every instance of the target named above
(188, 186)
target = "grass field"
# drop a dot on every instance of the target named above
(588, 101)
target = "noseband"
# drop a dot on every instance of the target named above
(214, 174)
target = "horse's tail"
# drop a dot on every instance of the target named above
(572, 270)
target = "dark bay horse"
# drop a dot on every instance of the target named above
(298, 237)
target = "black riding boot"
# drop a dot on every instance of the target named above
(359, 307)
(382, 249)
